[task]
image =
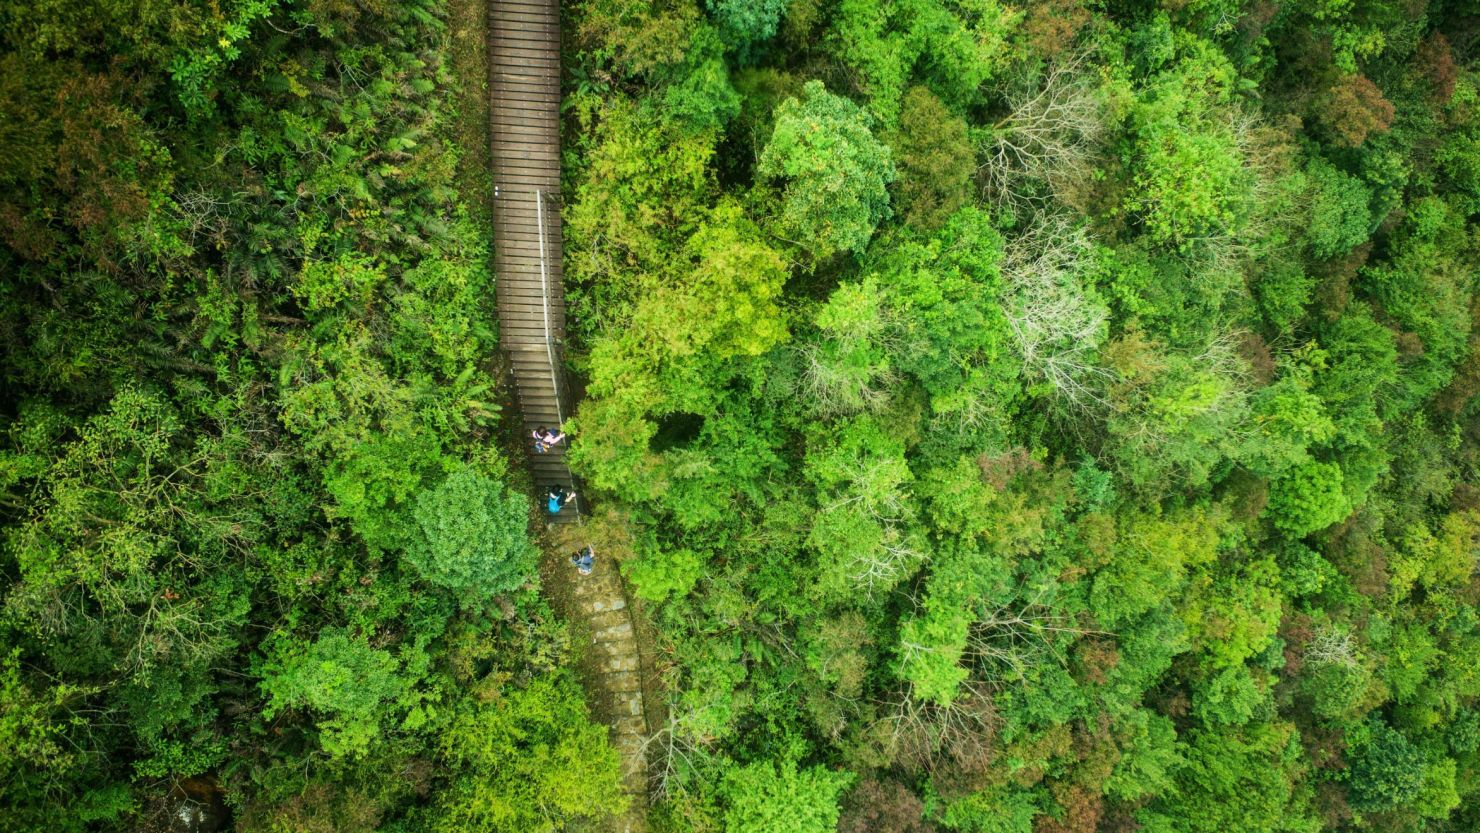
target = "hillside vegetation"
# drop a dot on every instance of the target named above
(1040, 417)
(260, 550)
(1054, 416)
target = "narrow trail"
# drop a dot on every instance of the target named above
(614, 668)
(524, 128)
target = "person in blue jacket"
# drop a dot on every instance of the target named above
(557, 498)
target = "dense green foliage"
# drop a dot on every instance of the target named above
(1039, 417)
(259, 544)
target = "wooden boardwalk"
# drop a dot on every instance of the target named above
(524, 116)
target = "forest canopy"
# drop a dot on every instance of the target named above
(1103, 456)
(1052, 416)
(264, 551)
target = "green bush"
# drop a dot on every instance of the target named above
(768, 797)
(472, 537)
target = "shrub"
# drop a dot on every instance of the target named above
(472, 536)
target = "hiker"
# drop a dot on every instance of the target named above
(583, 559)
(557, 498)
(545, 439)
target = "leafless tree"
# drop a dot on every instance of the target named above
(863, 528)
(1268, 151)
(1332, 646)
(674, 750)
(834, 387)
(1007, 639)
(1050, 135)
(925, 735)
(846, 371)
(1004, 643)
(882, 565)
(1057, 326)
(204, 215)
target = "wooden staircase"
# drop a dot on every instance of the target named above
(524, 114)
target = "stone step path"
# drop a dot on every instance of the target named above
(601, 606)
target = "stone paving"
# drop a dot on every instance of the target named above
(600, 603)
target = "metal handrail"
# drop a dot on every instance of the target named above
(539, 208)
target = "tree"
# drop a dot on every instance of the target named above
(835, 173)
(353, 687)
(1178, 414)
(1340, 215)
(736, 285)
(1435, 59)
(944, 319)
(1387, 770)
(375, 482)
(1008, 808)
(472, 536)
(1149, 758)
(1308, 499)
(703, 99)
(973, 624)
(42, 756)
(957, 48)
(883, 806)
(935, 160)
(1423, 287)
(1352, 108)
(1232, 615)
(1291, 419)
(1336, 675)
(778, 797)
(1237, 780)
(1150, 564)
(746, 22)
(1360, 370)
(658, 574)
(643, 36)
(530, 762)
(1204, 166)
